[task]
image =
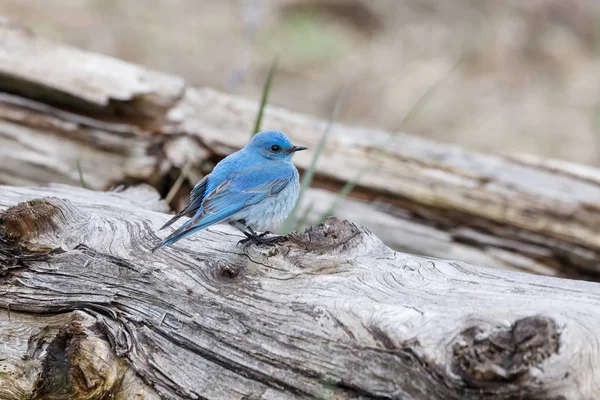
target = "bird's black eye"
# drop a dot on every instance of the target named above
(275, 148)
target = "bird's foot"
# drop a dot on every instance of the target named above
(263, 238)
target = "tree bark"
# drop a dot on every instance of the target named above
(61, 108)
(90, 313)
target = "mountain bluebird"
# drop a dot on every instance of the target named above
(253, 189)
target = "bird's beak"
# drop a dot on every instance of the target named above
(297, 148)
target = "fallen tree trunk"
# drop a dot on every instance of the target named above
(90, 313)
(122, 123)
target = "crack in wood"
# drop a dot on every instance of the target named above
(498, 361)
(330, 313)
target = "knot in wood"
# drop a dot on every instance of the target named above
(32, 218)
(487, 359)
(228, 270)
(328, 235)
(78, 365)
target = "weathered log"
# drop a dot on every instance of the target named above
(122, 123)
(90, 313)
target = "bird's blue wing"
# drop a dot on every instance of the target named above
(240, 191)
(196, 198)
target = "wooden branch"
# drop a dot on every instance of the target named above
(90, 313)
(127, 124)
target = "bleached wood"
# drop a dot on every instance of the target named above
(124, 124)
(67, 76)
(331, 313)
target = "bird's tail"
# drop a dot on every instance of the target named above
(175, 218)
(180, 233)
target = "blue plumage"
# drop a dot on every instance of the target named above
(254, 188)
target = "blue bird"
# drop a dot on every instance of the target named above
(253, 189)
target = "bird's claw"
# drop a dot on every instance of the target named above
(260, 239)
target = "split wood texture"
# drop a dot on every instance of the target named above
(121, 123)
(87, 312)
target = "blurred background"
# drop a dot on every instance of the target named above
(526, 76)
(515, 79)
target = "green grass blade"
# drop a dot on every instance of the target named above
(424, 98)
(80, 172)
(304, 217)
(344, 192)
(410, 115)
(265, 96)
(290, 222)
(178, 182)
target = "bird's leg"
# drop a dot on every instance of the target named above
(240, 225)
(253, 237)
(261, 238)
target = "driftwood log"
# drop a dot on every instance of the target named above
(87, 312)
(61, 107)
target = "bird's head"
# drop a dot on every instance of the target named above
(273, 145)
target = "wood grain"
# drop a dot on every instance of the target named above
(331, 313)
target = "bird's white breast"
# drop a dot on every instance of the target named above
(272, 211)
